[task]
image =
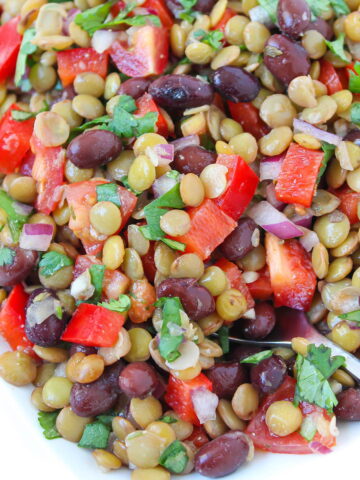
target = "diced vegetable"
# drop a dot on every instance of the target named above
(248, 116)
(234, 276)
(77, 60)
(349, 202)
(10, 41)
(329, 77)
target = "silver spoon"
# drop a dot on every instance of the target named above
(292, 323)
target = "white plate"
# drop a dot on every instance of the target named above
(26, 454)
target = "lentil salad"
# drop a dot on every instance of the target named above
(171, 170)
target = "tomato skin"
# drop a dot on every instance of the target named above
(291, 274)
(12, 320)
(248, 116)
(93, 326)
(48, 171)
(229, 13)
(261, 289)
(178, 396)
(234, 276)
(349, 202)
(297, 180)
(14, 141)
(329, 77)
(148, 54)
(198, 437)
(293, 443)
(159, 8)
(146, 104)
(242, 183)
(78, 60)
(10, 41)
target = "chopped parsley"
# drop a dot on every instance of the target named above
(6, 256)
(47, 421)
(123, 304)
(96, 435)
(351, 316)
(223, 334)
(15, 216)
(167, 419)
(355, 113)
(169, 344)
(52, 262)
(58, 312)
(108, 192)
(257, 357)
(340, 7)
(22, 116)
(313, 372)
(337, 47)
(97, 276)
(188, 13)
(212, 38)
(354, 80)
(329, 151)
(174, 458)
(27, 48)
(271, 7)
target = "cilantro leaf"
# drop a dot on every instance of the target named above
(92, 123)
(312, 373)
(146, 124)
(127, 103)
(318, 6)
(271, 7)
(58, 312)
(125, 182)
(329, 151)
(174, 244)
(355, 113)
(96, 435)
(52, 262)
(21, 116)
(174, 458)
(106, 418)
(212, 38)
(308, 428)
(223, 335)
(337, 47)
(97, 276)
(123, 304)
(351, 316)
(15, 216)
(92, 19)
(188, 14)
(340, 7)
(354, 80)
(167, 419)
(257, 357)
(47, 422)
(137, 20)
(169, 344)
(6, 256)
(26, 48)
(108, 192)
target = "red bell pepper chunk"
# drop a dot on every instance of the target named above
(178, 396)
(198, 438)
(48, 171)
(148, 54)
(297, 180)
(293, 443)
(242, 183)
(248, 116)
(159, 8)
(93, 326)
(146, 104)
(12, 320)
(291, 274)
(261, 289)
(349, 202)
(229, 13)
(10, 41)
(329, 77)
(77, 60)
(14, 141)
(202, 239)
(234, 276)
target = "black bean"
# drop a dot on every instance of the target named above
(239, 242)
(76, 347)
(223, 455)
(353, 136)
(348, 408)
(262, 325)
(193, 159)
(235, 84)
(204, 6)
(94, 148)
(48, 332)
(134, 87)
(293, 16)
(322, 27)
(181, 91)
(269, 374)
(285, 59)
(226, 377)
(196, 300)
(138, 379)
(22, 263)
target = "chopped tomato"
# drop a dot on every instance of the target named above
(201, 238)
(198, 438)
(248, 116)
(14, 140)
(291, 274)
(147, 55)
(10, 41)
(234, 276)
(293, 443)
(297, 180)
(145, 105)
(12, 320)
(178, 396)
(77, 60)
(143, 297)
(241, 186)
(349, 202)
(93, 326)
(159, 8)
(329, 77)
(229, 13)
(48, 171)
(261, 289)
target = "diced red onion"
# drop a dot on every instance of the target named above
(274, 221)
(162, 154)
(309, 239)
(36, 236)
(270, 167)
(321, 135)
(303, 220)
(162, 185)
(259, 14)
(22, 208)
(187, 141)
(271, 197)
(71, 14)
(103, 39)
(318, 447)
(205, 404)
